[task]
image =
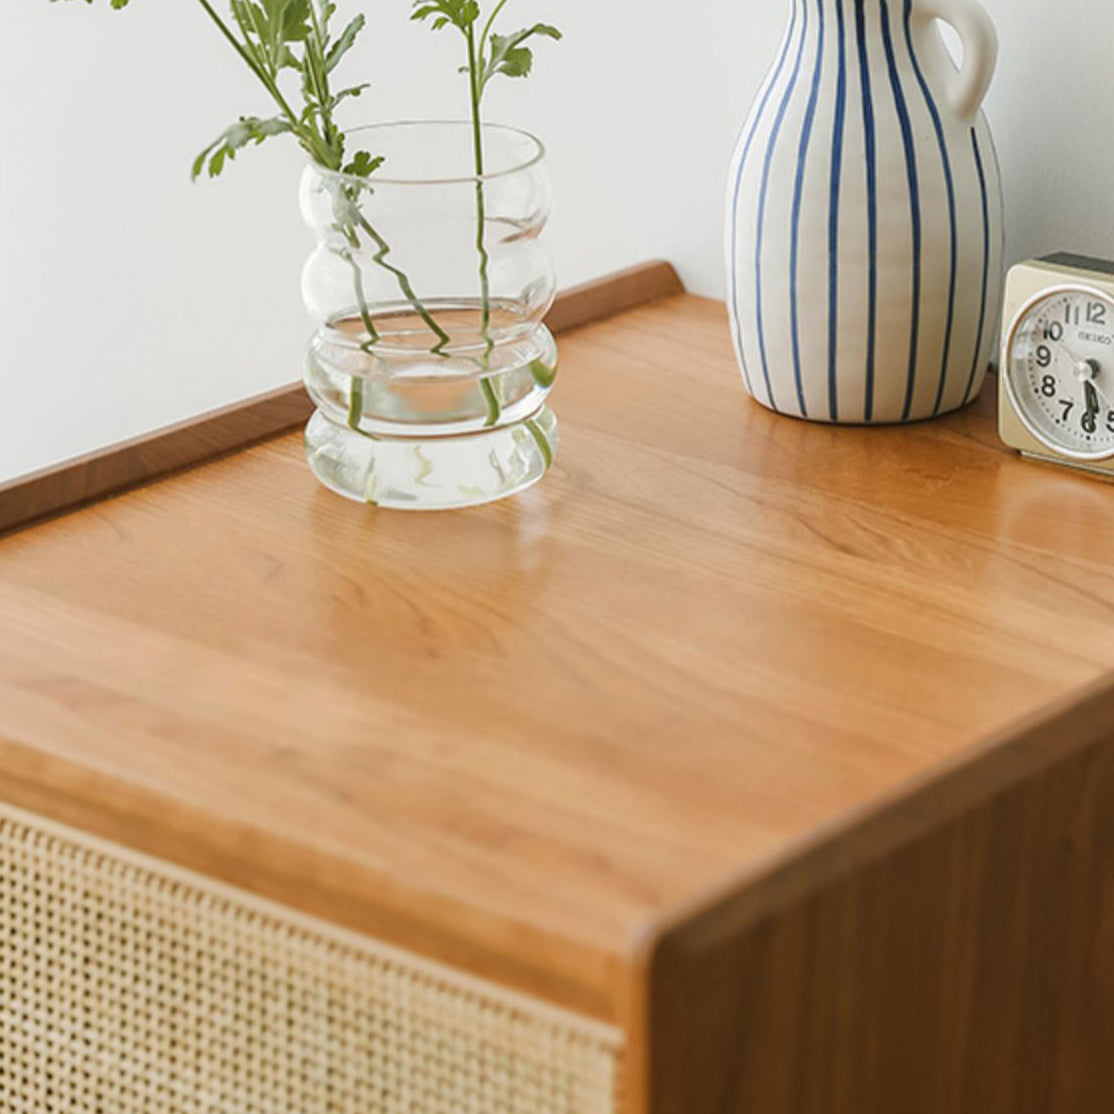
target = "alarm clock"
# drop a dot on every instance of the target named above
(1056, 382)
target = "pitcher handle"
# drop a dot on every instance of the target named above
(967, 88)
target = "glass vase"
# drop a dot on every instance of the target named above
(429, 285)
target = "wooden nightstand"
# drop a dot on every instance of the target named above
(743, 767)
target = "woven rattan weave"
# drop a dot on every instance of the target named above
(127, 986)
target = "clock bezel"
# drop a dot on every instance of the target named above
(1048, 293)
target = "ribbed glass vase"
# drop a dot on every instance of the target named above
(431, 364)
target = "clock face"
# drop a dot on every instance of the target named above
(1059, 368)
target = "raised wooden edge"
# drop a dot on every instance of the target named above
(1016, 756)
(316, 880)
(85, 479)
(110, 471)
(607, 297)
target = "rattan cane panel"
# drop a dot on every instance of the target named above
(129, 986)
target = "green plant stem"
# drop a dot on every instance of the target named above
(267, 82)
(490, 24)
(324, 150)
(316, 64)
(361, 300)
(356, 391)
(494, 406)
(540, 439)
(481, 200)
(491, 399)
(356, 403)
(405, 286)
(235, 44)
(320, 149)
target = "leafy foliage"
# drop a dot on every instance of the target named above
(344, 43)
(462, 14)
(271, 28)
(278, 35)
(509, 56)
(248, 129)
(363, 165)
(273, 37)
(488, 55)
(493, 54)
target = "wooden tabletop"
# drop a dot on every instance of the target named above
(518, 738)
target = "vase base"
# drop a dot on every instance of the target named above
(881, 419)
(432, 473)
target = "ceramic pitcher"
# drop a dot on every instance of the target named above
(864, 224)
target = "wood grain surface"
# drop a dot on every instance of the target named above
(951, 950)
(78, 482)
(520, 739)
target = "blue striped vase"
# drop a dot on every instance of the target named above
(864, 226)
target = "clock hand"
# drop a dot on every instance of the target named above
(1067, 351)
(1090, 423)
(1088, 371)
(1100, 393)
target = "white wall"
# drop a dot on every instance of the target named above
(130, 299)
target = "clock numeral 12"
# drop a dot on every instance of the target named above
(1073, 315)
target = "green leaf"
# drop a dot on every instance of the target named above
(460, 13)
(510, 57)
(345, 43)
(287, 21)
(354, 91)
(269, 27)
(513, 61)
(248, 129)
(363, 165)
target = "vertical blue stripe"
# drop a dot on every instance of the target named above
(914, 207)
(949, 181)
(770, 146)
(833, 219)
(737, 187)
(798, 191)
(871, 203)
(985, 264)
